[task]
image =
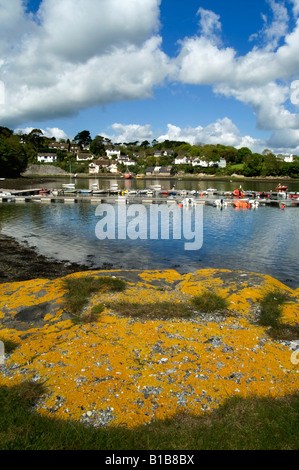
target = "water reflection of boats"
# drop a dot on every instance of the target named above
(155, 187)
(114, 188)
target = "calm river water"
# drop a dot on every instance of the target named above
(264, 240)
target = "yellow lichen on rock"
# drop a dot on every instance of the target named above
(119, 371)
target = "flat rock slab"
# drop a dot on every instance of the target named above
(121, 371)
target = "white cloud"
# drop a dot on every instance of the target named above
(273, 31)
(81, 53)
(210, 25)
(130, 133)
(77, 30)
(49, 132)
(223, 131)
(261, 79)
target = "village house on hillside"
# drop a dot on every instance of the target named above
(110, 153)
(285, 158)
(96, 165)
(84, 157)
(58, 146)
(47, 158)
(75, 148)
(126, 160)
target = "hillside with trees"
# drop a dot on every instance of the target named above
(18, 151)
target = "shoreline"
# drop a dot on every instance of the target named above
(171, 178)
(20, 263)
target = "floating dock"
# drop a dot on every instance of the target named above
(218, 199)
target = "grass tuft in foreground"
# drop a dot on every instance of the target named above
(270, 316)
(209, 302)
(150, 311)
(240, 424)
(80, 289)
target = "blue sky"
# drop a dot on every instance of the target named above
(199, 70)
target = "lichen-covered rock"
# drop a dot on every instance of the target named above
(123, 371)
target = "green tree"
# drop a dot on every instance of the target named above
(272, 166)
(242, 153)
(83, 138)
(97, 146)
(13, 156)
(253, 165)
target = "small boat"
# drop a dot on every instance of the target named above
(128, 174)
(84, 191)
(57, 192)
(281, 188)
(69, 191)
(44, 191)
(188, 201)
(238, 193)
(212, 191)
(99, 191)
(139, 176)
(220, 203)
(69, 186)
(253, 203)
(240, 204)
(7, 196)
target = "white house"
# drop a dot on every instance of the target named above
(112, 153)
(59, 146)
(199, 162)
(96, 165)
(181, 160)
(47, 157)
(222, 163)
(163, 153)
(125, 160)
(113, 168)
(84, 157)
(285, 158)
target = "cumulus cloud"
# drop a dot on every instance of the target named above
(209, 25)
(79, 53)
(48, 132)
(223, 131)
(129, 133)
(276, 29)
(262, 79)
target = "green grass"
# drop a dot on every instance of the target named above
(240, 424)
(9, 345)
(148, 311)
(79, 291)
(209, 302)
(270, 316)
